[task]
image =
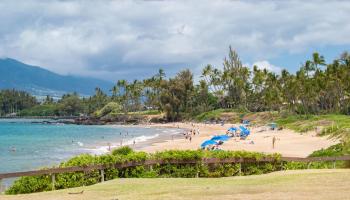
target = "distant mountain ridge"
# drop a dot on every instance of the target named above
(41, 82)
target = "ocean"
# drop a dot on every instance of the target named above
(27, 144)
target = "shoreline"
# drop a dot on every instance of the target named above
(288, 143)
(141, 141)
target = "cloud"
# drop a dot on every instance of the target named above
(132, 39)
(264, 64)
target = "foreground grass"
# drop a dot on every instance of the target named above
(304, 184)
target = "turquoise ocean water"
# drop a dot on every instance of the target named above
(25, 145)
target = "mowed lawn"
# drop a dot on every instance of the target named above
(302, 184)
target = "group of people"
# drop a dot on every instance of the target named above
(191, 133)
(214, 147)
(122, 140)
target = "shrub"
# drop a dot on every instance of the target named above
(112, 108)
(126, 154)
(123, 151)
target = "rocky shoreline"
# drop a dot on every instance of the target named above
(117, 120)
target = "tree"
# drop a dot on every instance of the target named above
(177, 94)
(235, 80)
(70, 104)
(48, 100)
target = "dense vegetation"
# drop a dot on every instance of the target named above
(125, 154)
(316, 88)
(12, 101)
(334, 150)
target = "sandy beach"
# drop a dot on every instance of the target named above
(288, 143)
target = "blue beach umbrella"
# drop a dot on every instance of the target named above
(273, 125)
(207, 143)
(245, 121)
(216, 138)
(232, 129)
(225, 137)
(244, 131)
(221, 137)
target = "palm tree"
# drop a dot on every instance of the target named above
(317, 60)
(161, 74)
(207, 70)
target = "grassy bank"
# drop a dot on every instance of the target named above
(331, 124)
(305, 184)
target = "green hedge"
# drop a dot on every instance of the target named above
(125, 154)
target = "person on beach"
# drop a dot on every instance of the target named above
(273, 142)
(109, 146)
(190, 139)
(134, 142)
(121, 142)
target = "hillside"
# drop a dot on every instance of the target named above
(41, 82)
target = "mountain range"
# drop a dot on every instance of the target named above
(41, 82)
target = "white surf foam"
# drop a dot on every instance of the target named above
(139, 139)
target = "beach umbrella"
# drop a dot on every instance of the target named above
(225, 137)
(245, 121)
(221, 137)
(215, 138)
(207, 143)
(232, 129)
(273, 125)
(244, 131)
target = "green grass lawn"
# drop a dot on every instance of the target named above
(220, 114)
(331, 124)
(305, 184)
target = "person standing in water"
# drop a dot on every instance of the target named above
(109, 146)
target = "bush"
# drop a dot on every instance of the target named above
(112, 108)
(41, 110)
(125, 150)
(126, 154)
(335, 150)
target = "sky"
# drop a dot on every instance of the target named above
(114, 40)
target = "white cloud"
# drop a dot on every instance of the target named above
(135, 38)
(264, 64)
